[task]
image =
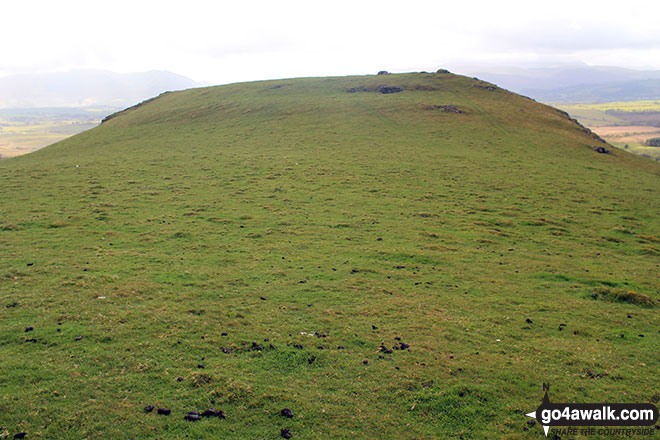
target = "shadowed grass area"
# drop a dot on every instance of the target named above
(390, 251)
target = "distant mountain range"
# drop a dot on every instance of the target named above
(563, 84)
(576, 84)
(85, 88)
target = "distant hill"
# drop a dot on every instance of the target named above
(638, 90)
(581, 83)
(366, 257)
(84, 88)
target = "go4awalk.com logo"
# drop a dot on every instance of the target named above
(592, 415)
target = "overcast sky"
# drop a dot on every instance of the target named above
(219, 42)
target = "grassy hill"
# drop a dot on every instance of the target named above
(419, 272)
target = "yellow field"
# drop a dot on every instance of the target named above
(24, 131)
(627, 133)
(627, 106)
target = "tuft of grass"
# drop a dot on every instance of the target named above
(623, 296)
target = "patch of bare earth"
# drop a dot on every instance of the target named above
(628, 133)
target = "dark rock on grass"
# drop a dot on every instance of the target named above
(602, 150)
(298, 346)
(79, 338)
(384, 349)
(401, 346)
(200, 366)
(365, 362)
(528, 321)
(9, 306)
(388, 89)
(354, 271)
(20, 435)
(272, 346)
(192, 416)
(262, 298)
(286, 412)
(383, 72)
(286, 433)
(311, 360)
(373, 327)
(531, 422)
(164, 411)
(340, 347)
(427, 384)
(179, 379)
(223, 334)
(461, 394)
(32, 340)
(148, 408)
(29, 329)
(225, 350)
(211, 412)
(256, 347)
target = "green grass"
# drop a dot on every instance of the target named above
(156, 232)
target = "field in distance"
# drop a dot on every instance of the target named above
(25, 130)
(626, 125)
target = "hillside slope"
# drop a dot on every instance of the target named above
(419, 272)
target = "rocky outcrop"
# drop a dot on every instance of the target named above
(388, 89)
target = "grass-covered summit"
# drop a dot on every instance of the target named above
(408, 265)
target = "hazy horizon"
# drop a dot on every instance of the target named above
(218, 43)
